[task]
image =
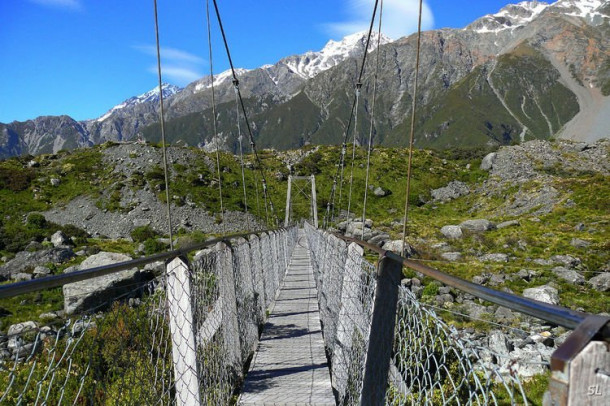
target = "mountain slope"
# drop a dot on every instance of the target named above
(531, 71)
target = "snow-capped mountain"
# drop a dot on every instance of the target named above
(532, 70)
(310, 64)
(152, 96)
(519, 15)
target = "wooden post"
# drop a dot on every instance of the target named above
(314, 201)
(381, 336)
(288, 198)
(184, 354)
(581, 367)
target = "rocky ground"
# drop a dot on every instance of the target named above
(522, 197)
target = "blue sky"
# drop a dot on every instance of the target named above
(82, 57)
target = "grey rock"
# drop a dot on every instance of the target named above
(444, 298)
(480, 279)
(526, 274)
(478, 225)
(496, 279)
(495, 257)
(510, 223)
(451, 231)
(381, 192)
(18, 277)
(396, 246)
(499, 343)
(578, 243)
(543, 262)
(59, 239)
(444, 290)
(579, 227)
(20, 328)
(600, 282)
(544, 293)
(475, 310)
(453, 190)
(452, 256)
(99, 292)
(41, 271)
(55, 182)
(569, 275)
(379, 239)
(529, 361)
(82, 325)
(48, 316)
(566, 260)
(25, 261)
(488, 161)
(504, 314)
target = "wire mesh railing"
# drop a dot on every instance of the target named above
(431, 361)
(180, 338)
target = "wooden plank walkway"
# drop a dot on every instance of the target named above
(290, 366)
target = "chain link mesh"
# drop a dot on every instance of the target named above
(181, 338)
(432, 363)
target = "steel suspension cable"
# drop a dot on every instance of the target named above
(222, 212)
(372, 124)
(351, 175)
(268, 200)
(162, 122)
(339, 174)
(411, 136)
(241, 154)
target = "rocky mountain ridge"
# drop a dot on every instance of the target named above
(532, 70)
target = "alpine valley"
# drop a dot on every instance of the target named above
(532, 71)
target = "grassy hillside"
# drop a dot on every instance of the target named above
(582, 197)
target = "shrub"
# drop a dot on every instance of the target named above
(152, 246)
(37, 220)
(143, 233)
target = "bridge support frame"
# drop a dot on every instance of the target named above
(381, 335)
(314, 203)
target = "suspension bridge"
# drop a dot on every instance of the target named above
(297, 315)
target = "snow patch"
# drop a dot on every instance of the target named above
(219, 79)
(150, 96)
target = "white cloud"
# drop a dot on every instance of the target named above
(399, 18)
(178, 75)
(177, 66)
(173, 54)
(65, 4)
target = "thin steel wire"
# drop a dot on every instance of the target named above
(127, 349)
(162, 122)
(372, 124)
(222, 212)
(412, 132)
(330, 207)
(433, 363)
(267, 198)
(241, 155)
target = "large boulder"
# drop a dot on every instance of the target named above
(544, 293)
(600, 282)
(396, 246)
(26, 261)
(569, 275)
(59, 238)
(478, 225)
(453, 232)
(566, 260)
(99, 292)
(488, 161)
(452, 191)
